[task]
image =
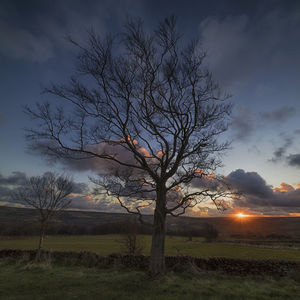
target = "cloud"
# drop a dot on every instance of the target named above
(280, 152)
(279, 115)
(38, 32)
(208, 181)
(228, 35)
(250, 183)
(10, 184)
(80, 188)
(104, 166)
(257, 195)
(240, 47)
(103, 203)
(20, 41)
(297, 131)
(243, 124)
(87, 202)
(126, 180)
(82, 196)
(17, 178)
(284, 187)
(22, 44)
(100, 165)
(294, 160)
(256, 192)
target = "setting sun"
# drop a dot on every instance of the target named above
(241, 215)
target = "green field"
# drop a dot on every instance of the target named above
(107, 244)
(23, 280)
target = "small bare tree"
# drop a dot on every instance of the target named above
(131, 243)
(145, 108)
(48, 194)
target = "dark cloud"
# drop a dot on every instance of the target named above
(256, 193)
(288, 200)
(243, 124)
(21, 39)
(81, 194)
(86, 202)
(81, 162)
(10, 184)
(209, 181)
(17, 178)
(250, 183)
(279, 115)
(80, 188)
(102, 203)
(99, 165)
(22, 44)
(294, 160)
(280, 152)
(242, 46)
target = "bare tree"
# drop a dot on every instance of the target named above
(48, 194)
(145, 109)
(131, 242)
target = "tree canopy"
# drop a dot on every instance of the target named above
(143, 107)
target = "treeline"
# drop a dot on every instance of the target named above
(122, 227)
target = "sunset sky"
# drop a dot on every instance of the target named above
(253, 52)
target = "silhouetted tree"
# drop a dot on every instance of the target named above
(144, 107)
(48, 194)
(131, 243)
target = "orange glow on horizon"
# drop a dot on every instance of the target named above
(294, 214)
(241, 215)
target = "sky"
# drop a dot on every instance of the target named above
(253, 53)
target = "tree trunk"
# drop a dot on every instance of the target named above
(157, 257)
(42, 234)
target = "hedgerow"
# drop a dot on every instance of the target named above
(240, 267)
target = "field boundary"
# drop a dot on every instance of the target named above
(231, 266)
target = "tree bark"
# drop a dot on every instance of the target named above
(157, 257)
(42, 234)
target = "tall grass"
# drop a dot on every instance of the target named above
(47, 281)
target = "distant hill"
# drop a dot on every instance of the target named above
(70, 217)
(227, 226)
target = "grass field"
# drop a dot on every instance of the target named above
(107, 244)
(21, 280)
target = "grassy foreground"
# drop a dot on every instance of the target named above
(107, 244)
(23, 280)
